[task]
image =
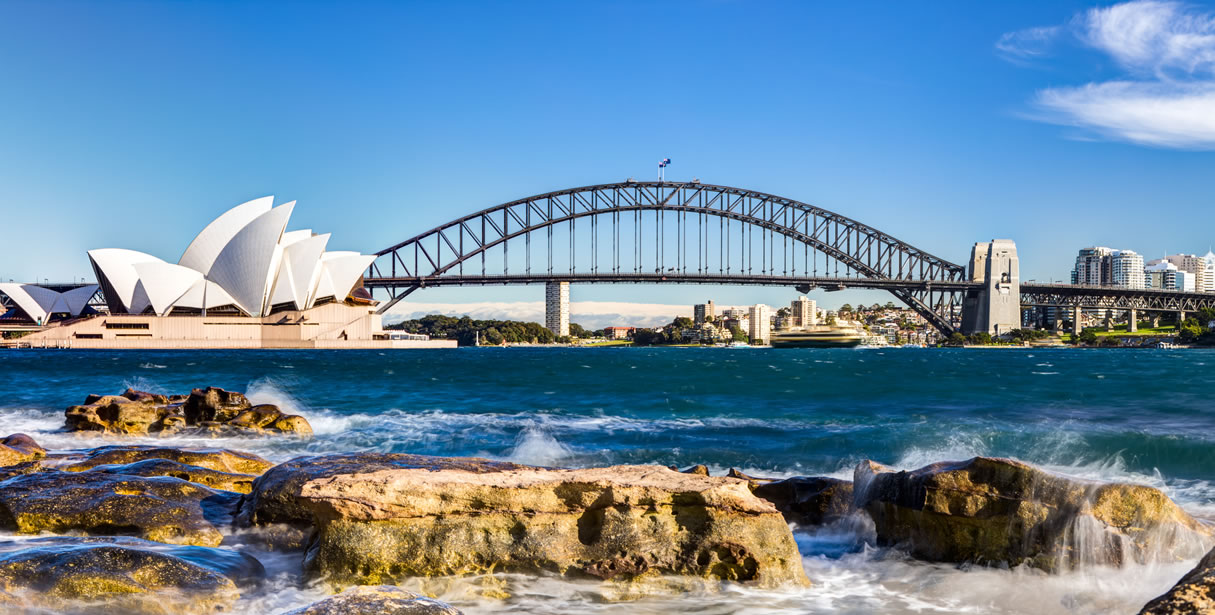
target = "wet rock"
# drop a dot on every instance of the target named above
(809, 500)
(275, 495)
(214, 404)
(19, 448)
(1000, 511)
(1194, 594)
(21, 469)
(699, 469)
(162, 509)
(123, 576)
(221, 460)
(226, 481)
(622, 523)
(209, 411)
(132, 412)
(377, 600)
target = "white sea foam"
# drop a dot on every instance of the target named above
(535, 446)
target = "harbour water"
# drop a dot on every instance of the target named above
(1143, 416)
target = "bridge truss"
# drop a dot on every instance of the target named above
(671, 232)
(1113, 298)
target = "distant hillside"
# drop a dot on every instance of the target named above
(493, 332)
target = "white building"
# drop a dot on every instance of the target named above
(39, 305)
(557, 308)
(1093, 266)
(1161, 275)
(804, 312)
(1196, 266)
(760, 330)
(1126, 269)
(244, 262)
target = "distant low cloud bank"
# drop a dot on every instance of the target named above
(589, 314)
(1166, 94)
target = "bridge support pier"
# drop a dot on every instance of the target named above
(1132, 320)
(557, 308)
(1180, 317)
(1077, 314)
(996, 308)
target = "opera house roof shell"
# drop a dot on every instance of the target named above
(245, 260)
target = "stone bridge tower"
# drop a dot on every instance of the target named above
(996, 307)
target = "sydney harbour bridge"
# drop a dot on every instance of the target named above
(694, 233)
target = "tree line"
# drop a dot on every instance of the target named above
(466, 330)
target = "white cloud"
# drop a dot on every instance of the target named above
(589, 314)
(1028, 43)
(1167, 96)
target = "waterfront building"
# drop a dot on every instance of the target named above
(804, 312)
(1196, 266)
(1094, 266)
(557, 308)
(30, 303)
(703, 312)
(760, 329)
(1160, 274)
(618, 333)
(1126, 269)
(245, 281)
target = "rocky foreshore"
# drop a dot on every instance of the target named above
(154, 529)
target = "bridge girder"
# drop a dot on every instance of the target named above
(445, 251)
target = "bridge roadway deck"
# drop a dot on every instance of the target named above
(1032, 294)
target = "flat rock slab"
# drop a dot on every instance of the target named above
(220, 460)
(377, 600)
(275, 495)
(162, 509)
(622, 523)
(225, 481)
(122, 576)
(1000, 511)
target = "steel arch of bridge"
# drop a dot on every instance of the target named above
(928, 284)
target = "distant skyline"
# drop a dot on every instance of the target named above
(1060, 125)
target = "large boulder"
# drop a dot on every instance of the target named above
(275, 497)
(162, 509)
(209, 411)
(1001, 511)
(19, 448)
(220, 460)
(622, 523)
(123, 576)
(808, 500)
(1194, 594)
(225, 481)
(376, 600)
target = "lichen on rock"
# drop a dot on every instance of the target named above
(215, 479)
(123, 576)
(1194, 594)
(162, 509)
(1001, 511)
(220, 460)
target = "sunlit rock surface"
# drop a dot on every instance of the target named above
(621, 523)
(19, 448)
(220, 460)
(377, 600)
(1194, 594)
(1000, 511)
(226, 481)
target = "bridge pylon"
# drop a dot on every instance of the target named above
(994, 307)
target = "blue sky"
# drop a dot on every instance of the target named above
(1057, 124)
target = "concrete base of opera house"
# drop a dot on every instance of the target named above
(330, 326)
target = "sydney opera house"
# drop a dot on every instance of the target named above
(245, 281)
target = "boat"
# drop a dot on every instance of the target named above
(832, 337)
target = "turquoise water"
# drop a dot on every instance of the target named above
(1144, 416)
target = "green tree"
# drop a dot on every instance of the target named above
(956, 339)
(738, 334)
(846, 308)
(1088, 336)
(493, 337)
(576, 330)
(890, 305)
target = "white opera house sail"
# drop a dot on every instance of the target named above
(244, 262)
